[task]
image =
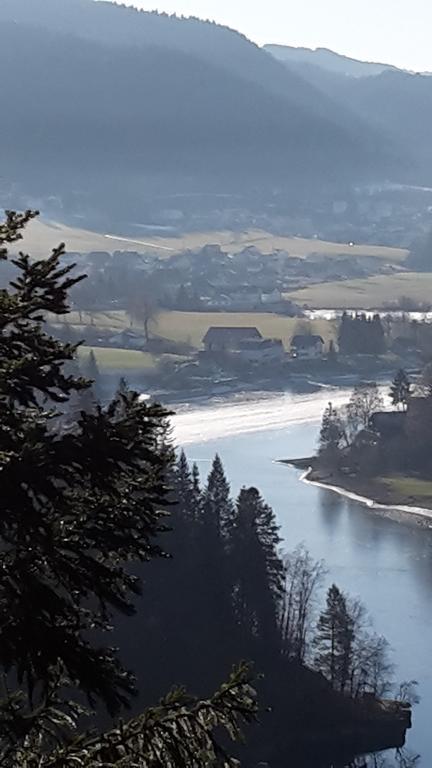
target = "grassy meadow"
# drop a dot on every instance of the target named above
(123, 359)
(191, 327)
(370, 293)
(43, 235)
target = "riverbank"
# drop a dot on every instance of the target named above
(373, 493)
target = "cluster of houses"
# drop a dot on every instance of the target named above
(248, 345)
(208, 278)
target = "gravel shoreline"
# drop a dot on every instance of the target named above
(401, 513)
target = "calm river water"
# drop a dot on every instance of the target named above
(387, 564)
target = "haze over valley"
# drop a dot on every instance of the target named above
(198, 127)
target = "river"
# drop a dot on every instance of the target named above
(385, 563)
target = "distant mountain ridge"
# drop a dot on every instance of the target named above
(327, 59)
(394, 101)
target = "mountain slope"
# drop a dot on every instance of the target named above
(106, 23)
(116, 107)
(69, 97)
(405, 118)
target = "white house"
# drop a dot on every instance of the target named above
(307, 347)
(262, 351)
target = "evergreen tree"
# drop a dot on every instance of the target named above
(91, 372)
(214, 566)
(344, 335)
(123, 386)
(377, 344)
(197, 495)
(175, 605)
(258, 584)
(361, 335)
(332, 433)
(77, 505)
(334, 640)
(218, 507)
(400, 391)
(183, 486)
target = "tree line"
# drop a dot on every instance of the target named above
(361, 335)
(367, 439)
(269, 599)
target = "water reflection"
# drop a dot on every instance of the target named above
(400, 759)
(330, 502)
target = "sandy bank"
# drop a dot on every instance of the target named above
(355, 489)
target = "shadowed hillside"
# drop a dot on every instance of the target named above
(112, 98)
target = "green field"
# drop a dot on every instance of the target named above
(42, 235)
(191, 327)
(123, 359)
(408, 486)
(371, 293)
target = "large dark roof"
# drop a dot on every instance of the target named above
(226, 333)
(306, 340)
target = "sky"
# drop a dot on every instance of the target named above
(390, 31)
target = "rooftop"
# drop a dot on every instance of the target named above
(234, 333)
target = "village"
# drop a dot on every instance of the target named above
(209, 319)
(212, 278)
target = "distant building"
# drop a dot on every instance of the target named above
(245, 297)
(262, 350)
(307, 347)
(271, 297)
(228, 339)
(128, 339)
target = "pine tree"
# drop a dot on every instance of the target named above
(214, 566)
(334, 640)
(197, 494)
(218, 507)
(92, 372)
(77, 507)
(400, 390)
(345, 335)
(174, 600)
(332, 433)
(377, 343)
(258, 584)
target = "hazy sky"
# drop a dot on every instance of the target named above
(392, 31)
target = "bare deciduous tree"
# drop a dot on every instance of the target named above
(365, 400)
(143, 309)
(303, 578)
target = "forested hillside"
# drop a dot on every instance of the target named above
(154, 104)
